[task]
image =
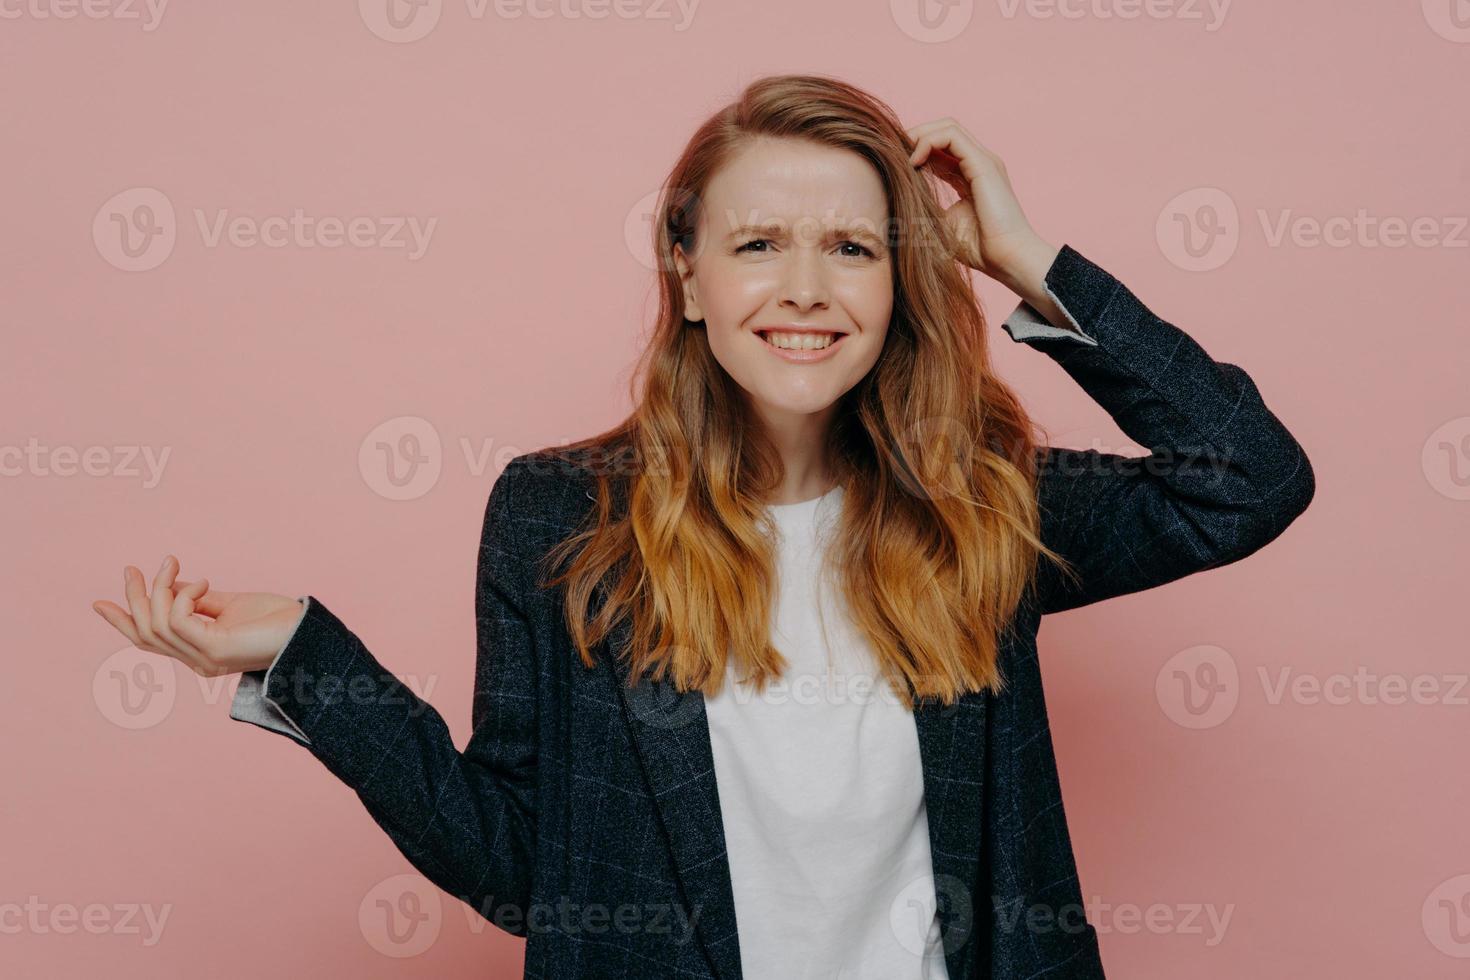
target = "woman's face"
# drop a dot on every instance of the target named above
(789, 235)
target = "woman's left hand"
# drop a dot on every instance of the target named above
(993, 234)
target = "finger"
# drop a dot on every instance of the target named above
(181, 613)
(957, 132)
(123, 623)
(138, 604)
(119, 619)
(938, 158)
(971, 159)
(195, 631)
(918, 133)
(165, 637)
(162, 598)
(212, 603)
(940, 137)
(974, 157)
(945, 167)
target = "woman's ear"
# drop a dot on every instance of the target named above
(692, 311)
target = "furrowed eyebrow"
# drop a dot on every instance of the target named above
(856, 233)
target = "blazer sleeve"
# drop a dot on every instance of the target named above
(250, 702)
(464, 819)
(1223, 476)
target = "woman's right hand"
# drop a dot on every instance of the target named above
(245, 630)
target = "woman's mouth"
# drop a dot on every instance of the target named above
(803, 346)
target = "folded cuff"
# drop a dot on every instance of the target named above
(251, 702)
(1071, 282)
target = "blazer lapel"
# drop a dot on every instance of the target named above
(671, 734)
(952, 750)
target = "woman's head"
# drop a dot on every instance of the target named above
(811, 157)
(797, 204)
(789, 237)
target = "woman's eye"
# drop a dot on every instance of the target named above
(862, 250)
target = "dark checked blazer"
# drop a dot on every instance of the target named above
(585, 816)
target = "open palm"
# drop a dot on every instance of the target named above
(242, 631)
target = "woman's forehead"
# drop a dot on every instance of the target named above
(793, 180)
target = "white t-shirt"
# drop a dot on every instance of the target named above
(822, 791)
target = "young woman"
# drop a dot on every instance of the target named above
(757, 691)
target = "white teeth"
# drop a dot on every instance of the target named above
(801, 341)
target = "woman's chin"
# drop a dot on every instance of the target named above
(787, 406)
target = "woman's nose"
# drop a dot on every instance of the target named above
(805, 282)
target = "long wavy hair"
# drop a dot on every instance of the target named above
(938, 535)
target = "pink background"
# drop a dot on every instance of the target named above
(1332, 834)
